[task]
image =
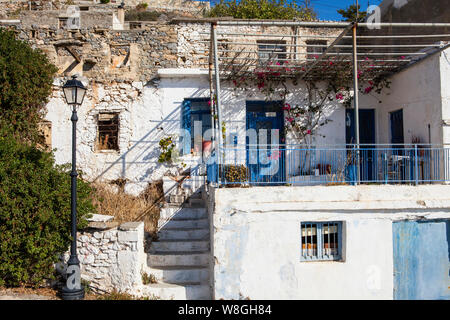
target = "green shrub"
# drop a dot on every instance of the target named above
(104, 1)
(26, 78)
(234, 173)
(142, 6)
(261, 9)
(140, 15)
(34, 212)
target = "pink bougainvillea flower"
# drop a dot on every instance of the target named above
(287, 106)
(289, 119)
(367, 59)
(260, 85)
(315, 56)
(308, 132)
(275, 155)
(339, 96)
(286, 62)
(368, 89)
(402, 57)
(331, 63)
(371, 83)
(209, 102)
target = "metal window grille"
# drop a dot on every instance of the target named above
(108, 131)
(321, 241)
(271, 49)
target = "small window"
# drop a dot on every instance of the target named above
(321, 241)
(62, 23)
(315, 48)
(108, 131)
(271, 50)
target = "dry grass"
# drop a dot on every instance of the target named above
(110, 200)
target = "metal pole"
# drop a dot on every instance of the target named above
(218, 100)
(73, 290)
(211, 89)
(356, 101)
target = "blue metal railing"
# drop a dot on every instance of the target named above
(318, 165)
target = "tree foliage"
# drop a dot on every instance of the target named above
(34, 191)
(26, 78)
(261, 9)
(349, 14)
(34, 212)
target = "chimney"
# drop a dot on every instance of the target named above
(119, 18)
(121, 13)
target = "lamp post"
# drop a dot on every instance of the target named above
(74, 92)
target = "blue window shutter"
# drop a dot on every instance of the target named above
(186, 124)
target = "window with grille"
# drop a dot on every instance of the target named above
(108, 131)
(321, 241)
(273, 50)
(314, 48)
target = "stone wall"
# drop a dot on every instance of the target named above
(111, 258)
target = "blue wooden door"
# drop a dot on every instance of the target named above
(266, 158)
(368, 154)
(421, 260)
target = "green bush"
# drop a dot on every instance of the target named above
(261, 9)
(104, 1)
(34, 212)
(26, 78)
(141, 15)
(234, 174)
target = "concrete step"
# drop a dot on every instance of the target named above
(189, 258)
(180, 274)
(169, 291)
(183, 223)
(174, 245)
(177, 212)
(183, 234)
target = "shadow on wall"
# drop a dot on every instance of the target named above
(143, 153)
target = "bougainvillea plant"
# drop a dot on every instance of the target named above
(328, 81)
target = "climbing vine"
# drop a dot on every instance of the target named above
(308, 113)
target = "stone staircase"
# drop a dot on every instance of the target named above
(179, 259)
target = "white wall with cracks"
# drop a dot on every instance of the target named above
(255, 239)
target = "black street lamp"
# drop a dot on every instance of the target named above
(74, 92)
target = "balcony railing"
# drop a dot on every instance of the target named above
(328, 165)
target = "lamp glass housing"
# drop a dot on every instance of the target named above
(74, 91)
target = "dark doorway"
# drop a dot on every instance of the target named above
(396, 119)
(368, 159)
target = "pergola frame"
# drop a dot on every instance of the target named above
(391, 57)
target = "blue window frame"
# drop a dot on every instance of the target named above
(321, 241)
(195, 109)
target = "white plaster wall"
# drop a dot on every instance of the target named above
(445, 94)
(416, 90)
(147, 113)
(143, 108)
(256, 239)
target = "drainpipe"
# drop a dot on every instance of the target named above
(218, 98)
(211, 88)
